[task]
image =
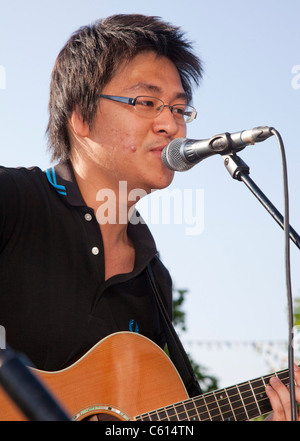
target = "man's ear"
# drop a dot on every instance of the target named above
(80, 127)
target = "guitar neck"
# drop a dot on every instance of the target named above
(242, 402)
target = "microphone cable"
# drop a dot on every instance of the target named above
(288, 275)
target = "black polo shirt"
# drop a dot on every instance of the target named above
(54, 301)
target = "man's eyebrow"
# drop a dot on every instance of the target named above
(146, 86)
(156, 89)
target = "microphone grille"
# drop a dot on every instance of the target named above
(173, 157)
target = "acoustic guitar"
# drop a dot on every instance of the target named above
(128, 377)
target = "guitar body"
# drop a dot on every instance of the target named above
(123, 376)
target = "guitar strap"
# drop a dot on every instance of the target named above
(176, 350)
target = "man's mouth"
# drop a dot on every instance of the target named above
(157, 150)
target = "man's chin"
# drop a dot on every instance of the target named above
(165, 182)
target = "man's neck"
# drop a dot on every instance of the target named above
(108, 199)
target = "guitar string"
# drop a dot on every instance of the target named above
(235, 410)
(229, 400)
(202, 397)
(208, 412)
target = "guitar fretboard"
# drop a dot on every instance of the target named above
(242, 402)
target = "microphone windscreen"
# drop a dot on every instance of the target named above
(173, 157)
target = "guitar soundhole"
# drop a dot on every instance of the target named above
(99, 412)
(101, 417)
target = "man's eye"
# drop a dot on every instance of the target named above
(146, 103)
(179, 111)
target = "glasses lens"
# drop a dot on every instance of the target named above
(151, 107)
(184, 114)
(148, 106)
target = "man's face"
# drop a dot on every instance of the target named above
(124, 145)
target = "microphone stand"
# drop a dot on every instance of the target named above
(240, 171)
(27, 392)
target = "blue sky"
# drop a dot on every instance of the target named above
(233, 269)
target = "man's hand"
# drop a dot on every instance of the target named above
(279, 396)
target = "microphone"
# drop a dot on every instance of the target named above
(181, 154)
(26, 390)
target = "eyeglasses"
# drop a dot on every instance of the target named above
(151, 107)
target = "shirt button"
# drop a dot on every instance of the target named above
(88, 217)
(95, 251)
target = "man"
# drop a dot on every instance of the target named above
(74, 253)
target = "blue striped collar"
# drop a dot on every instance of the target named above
(51, 176)
(62, 178)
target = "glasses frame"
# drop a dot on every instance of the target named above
(132, 102)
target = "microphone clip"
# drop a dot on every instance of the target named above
(235, 166)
